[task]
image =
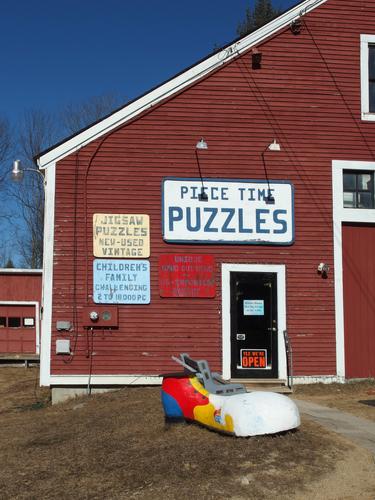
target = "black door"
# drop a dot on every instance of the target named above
(253, 325)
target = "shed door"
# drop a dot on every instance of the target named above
(253, 325)
(17, 329)
(359, 299)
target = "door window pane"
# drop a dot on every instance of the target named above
(3, 322)
(28, 322)
(14, 322)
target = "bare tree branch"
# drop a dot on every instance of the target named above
(37, 131)
(77, 117)
(5, 147)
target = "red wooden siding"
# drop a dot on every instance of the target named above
(315, 115)
(359, 300)
(20, 287)
(17, 288)
(16, 338)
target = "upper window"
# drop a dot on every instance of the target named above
(371, 77)
(358, 189)
(368, 77)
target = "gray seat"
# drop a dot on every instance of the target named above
(211, 381)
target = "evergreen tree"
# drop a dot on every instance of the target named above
(256, 17)
(9, 264)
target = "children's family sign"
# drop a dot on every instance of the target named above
(121, 281)
(232, 211)
(121, 235)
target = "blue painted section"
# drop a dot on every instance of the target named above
(171, 407)
(121, 281)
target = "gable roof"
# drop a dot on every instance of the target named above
(172, 86)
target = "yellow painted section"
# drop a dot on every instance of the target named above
(122, 236)
(205, 414)
(198, 386)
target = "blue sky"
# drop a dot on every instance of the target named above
(59, 52)
(55, 53)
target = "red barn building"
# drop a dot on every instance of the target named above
(157, 245)
(20, 299)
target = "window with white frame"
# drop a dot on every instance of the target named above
(358, 189)
(368, 77)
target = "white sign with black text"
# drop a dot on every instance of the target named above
(232, 211)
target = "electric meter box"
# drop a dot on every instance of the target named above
(100, 316)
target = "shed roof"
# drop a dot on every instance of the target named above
(11, 270)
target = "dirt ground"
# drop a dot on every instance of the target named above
(117, 446)
(357, 398)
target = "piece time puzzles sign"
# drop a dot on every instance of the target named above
(235, 211)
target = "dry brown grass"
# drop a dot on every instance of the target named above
(117, 446)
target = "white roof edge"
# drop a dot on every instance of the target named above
(11, 270)
(175, 85)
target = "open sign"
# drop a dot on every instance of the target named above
(254, 359)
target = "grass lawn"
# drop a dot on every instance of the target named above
(117, 446)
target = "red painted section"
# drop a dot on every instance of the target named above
(359, 300)
(307, 95)
(16, 336)
(187, 396)
(187, 276)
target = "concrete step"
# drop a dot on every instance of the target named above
(10, 359)
(269, 385)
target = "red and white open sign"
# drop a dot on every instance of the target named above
(254, 358)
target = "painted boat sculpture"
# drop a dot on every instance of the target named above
(201, 396)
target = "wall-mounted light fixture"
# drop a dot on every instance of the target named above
(256, 59)
(274, 146)
(323, 269)
(18, 172)
(200, 146)
(296, 26)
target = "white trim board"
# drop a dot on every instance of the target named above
(105, 380)
(20, 271)
(318, 379)
(176, 84)
(47, 282)
(120, 380)
(340, 215)
(226, 269)
(37, 317)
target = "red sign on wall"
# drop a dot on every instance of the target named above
(182, 275)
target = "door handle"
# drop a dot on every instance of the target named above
(272, 329)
